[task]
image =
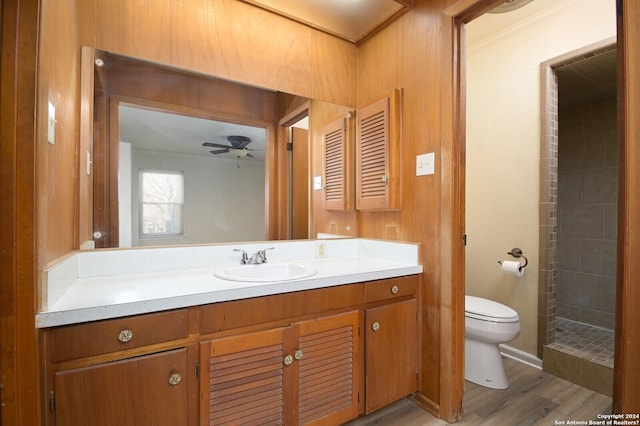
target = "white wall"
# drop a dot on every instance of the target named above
(503, 139)
(124, 194)
(223, 203)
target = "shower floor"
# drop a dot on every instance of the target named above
(584, 341)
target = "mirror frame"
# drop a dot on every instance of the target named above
(242, 104)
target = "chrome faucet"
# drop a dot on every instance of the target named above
(257, 258)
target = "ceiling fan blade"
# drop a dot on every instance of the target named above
(249, 155)
(215, 145)
(219, 151)
(245, 143)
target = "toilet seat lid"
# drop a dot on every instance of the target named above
(488, 310)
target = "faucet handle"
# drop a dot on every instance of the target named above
(263, 255)
(245, 257)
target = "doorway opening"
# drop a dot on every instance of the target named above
(294, 130)
(298, 147)
(578, 211)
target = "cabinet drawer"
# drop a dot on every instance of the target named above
(82, 340)
(260, 310)
(387, 289)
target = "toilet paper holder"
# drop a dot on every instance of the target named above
(517, 253)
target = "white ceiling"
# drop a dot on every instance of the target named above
(166, 132)
(348, 19)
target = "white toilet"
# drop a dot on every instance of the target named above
(487, 324)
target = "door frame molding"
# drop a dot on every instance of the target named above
(626, 386)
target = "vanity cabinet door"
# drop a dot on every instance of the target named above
(391, 353)
(146, 390)
(243, 379)
(328, 369)
(303, 374)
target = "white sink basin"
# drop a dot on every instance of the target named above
(266, 272)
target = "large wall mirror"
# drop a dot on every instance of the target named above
(181, 158)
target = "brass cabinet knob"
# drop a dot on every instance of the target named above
(298, 354)
(125, 335)
(375, 326)
(288, 360)
(174, 379)
(394, 289)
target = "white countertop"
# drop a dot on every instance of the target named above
(102, 287)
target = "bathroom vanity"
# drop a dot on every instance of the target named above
(321, 349)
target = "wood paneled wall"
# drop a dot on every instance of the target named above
(415, 54)
(58, 82)
(213, 37)
(226, 38)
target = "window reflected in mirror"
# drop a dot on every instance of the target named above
(161, 203)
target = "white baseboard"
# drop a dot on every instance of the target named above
(521, 356)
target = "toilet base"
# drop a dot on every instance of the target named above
(483, 364)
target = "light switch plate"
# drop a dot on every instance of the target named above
(425, 164)
(317, 182)
(51, 124)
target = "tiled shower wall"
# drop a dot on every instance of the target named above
(587, 211)
(547, 275)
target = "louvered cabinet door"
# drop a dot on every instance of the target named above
(242, 380)
(338, 192)
(378, 154)
(328, 369)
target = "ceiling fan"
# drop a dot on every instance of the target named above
(238, 147)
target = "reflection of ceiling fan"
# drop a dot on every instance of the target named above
(238, 147)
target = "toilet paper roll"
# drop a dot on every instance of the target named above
(512, 268)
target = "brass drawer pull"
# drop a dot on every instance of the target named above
(174, 379)
(375, 326)
(298, 355)
(288, 360)
(125, 335)
(394, 289)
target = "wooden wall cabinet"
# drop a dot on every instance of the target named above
(321, 356)
(378, 151)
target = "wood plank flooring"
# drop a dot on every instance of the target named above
(533, 398)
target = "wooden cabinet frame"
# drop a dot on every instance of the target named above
(322, 330)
